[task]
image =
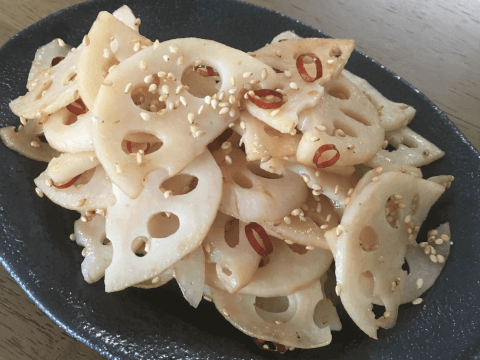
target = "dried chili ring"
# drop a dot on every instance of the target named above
(326, 163)
(205, 71)
(253, 241)
(77, 107)
(263, 104)
(303, 72)
(68, 183)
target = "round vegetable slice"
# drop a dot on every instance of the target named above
(45, 57)
(294, 326)
(227, 246)
(180, 122)
(299, 95)
(100, 53)
(94, 191)
(345, 119)
(393, 116)
(369, 251)
(410, 149)
(125, 15)
(67, 132)
(68, 165)
(26, 141)
(254, 195)
(91, 235)
(170, 226)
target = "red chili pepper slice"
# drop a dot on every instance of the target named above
(263, 235)
(280, 347)
(206, 71)
(263, 104)
(326, 163)
(77, 107)
(67, 184)
(303, 72)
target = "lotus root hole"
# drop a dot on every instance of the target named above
(406, 267)
(134, 142)
(226, 271)
(147, 96)
(353, 114)
(106, 242)
(180, 184)
(274, 308)
(242, 181)
(199, 85)
(339, 91)
(392, 210)
(368, 239)
(139, 246)
(232, 233)
(255, 168)
(56, 60)
(163, 224)
(297, 248)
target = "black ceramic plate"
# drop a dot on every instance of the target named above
(154, 324)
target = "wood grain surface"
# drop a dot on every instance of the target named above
(433, 44)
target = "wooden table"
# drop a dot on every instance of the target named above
(434, 44)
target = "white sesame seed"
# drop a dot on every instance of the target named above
(295, 212)
(156, 44)
(265, 158)
(247, 74)
(39, 192)
(306, 178)
(152, 88)
(145, 116)
(200, 109)
(433, 258)
(231, 125)
(336, 189)
(274, 112)
(199, 133)
(83, 218)
(35, 144)
(163, 97)
(278, 53)
(84, 251)
(338, 290)
(228, 160)
(294, 86)
(183, 101)
(439, 241)
(224, 110)
(279, 322)
(347, 200)
(264, 74)
(419, 283)
(338, 231)
(137, 47)
(324, 226)
(106, 53)
(225, 312)
(287, 73)
(408, 218)
(350, 191)
(148, 79)
(208, 298)
(143, 65)
(316, 187)
(314, 138)
(316, 192)
(167, 194)
(320, 128)
(441, 259)
(61, 43)
(180, 60)
(161, 74)
(254, 82)
(72, 237)
(252, 54)
(432, 250)
(375, 179)
(86, 40)
(173, 49)
(166, 57)
(287, 220)
(166, 89)
(214, 104)
(330, 62)
(310, 247)
(223, 104)
(417, 301)
(445, 237)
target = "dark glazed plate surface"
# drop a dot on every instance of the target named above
(158, 324)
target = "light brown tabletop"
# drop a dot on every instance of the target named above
(433, 44)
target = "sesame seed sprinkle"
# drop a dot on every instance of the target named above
(167, 194)
(152, 88)
(224, 110)
(287, 73)
(180, 60)
(173, 49)
(166, 57)
(208, 99)
(247, 74)
(417, 301)
(433, 258)
(287, 220)
(143, 65)
(148, 79)
(350, 191)
(84, 251)
(35, 144)
(145, 116)
(161, 74)
(200, 109)
(107, 82)
(39, 192)
(347, 200)
(156, 44)
(163, 97)
(166, 89)
(320, 128)
(228, 160)
(183, 101)
(324, 226)
(225, 312)
(375, 179)
(338, 290)
(336, 189)
(243, 126)
(254, 82)
(294, 86)
(445, 237)
(199, 133)
(419, 283)
(441, 259)
(439, 241)
(306, 178)
(191, 118)
(72, 237)
(233, 80)
(214, 104)
(309, 247)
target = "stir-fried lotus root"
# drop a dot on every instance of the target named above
(108, 43)
(66, 131)
(370, 249)
(426, 261)
(303, 319)
(346, 119)
(393, 116)
(89, 190)
(262, 141)
(50, 90)
(304, 66)
(252, 194)
(190, 275)
(184, 119)
(69, 165)
(26, 141)
(227, 246)
(125, 15)
(47, 56)
(306, 225)
(170, 224)
(302, 266)
(98, 250)
(410, 149)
